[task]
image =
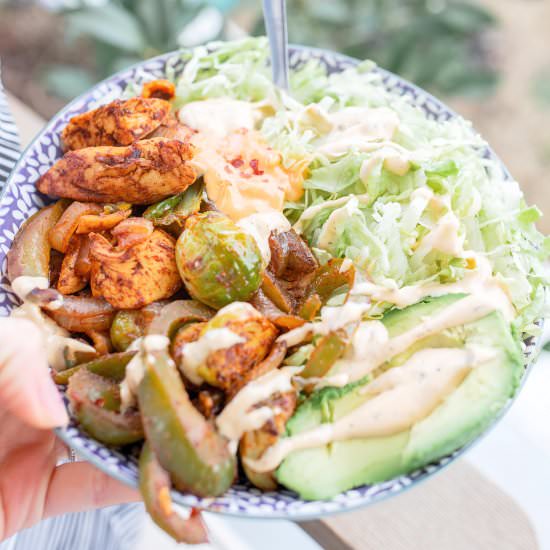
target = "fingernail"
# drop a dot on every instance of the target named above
(52, 410)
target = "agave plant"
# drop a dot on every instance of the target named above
(438, 44)
(123, 32)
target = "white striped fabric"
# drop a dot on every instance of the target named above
(9, 139)
(114, 528)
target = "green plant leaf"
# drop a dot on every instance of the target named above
(473, 82)
(331, 12)
(223, 5)
(541, 87)
(66, 81)
(148, 14)
(466, 18)
(123, 62)
(110, 24)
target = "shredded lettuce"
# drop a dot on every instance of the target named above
(226, 69)
(381, 233)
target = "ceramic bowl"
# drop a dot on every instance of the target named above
(20, 199)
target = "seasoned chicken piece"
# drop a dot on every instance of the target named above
(186, 334)
(249, 337)
(226, 369)
(69, 280)
(163, 89)
(117, 123)
(254, 443)
(143, 173)
(134, 276)
(173, 129)
(209, 402)
(271, 362)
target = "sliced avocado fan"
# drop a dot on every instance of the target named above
(323, 472)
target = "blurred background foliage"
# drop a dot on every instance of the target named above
(123, 32)
(488, 59)
(438, 44)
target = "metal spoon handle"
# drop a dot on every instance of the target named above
(275, 24)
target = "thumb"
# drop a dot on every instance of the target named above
(26, 388)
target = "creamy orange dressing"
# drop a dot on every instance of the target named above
(243, 175)
(397, 400)
(57, 341)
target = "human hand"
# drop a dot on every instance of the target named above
(32, 487)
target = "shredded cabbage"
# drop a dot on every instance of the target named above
(384, 217)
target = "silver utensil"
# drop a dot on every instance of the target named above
(276, 28)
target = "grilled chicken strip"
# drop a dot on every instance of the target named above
(172, 128)
(163, 89)
(143, 173)
(117, 123)
(255, 443)
(229, 368)
(133, 275)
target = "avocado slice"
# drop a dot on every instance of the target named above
(323, 472)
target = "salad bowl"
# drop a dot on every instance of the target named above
(20, 199)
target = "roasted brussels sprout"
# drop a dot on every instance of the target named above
(217, 260)
(238, 339)
(126, 328)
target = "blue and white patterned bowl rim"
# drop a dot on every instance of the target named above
(20, 199)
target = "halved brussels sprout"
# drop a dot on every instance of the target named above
(217, 260)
